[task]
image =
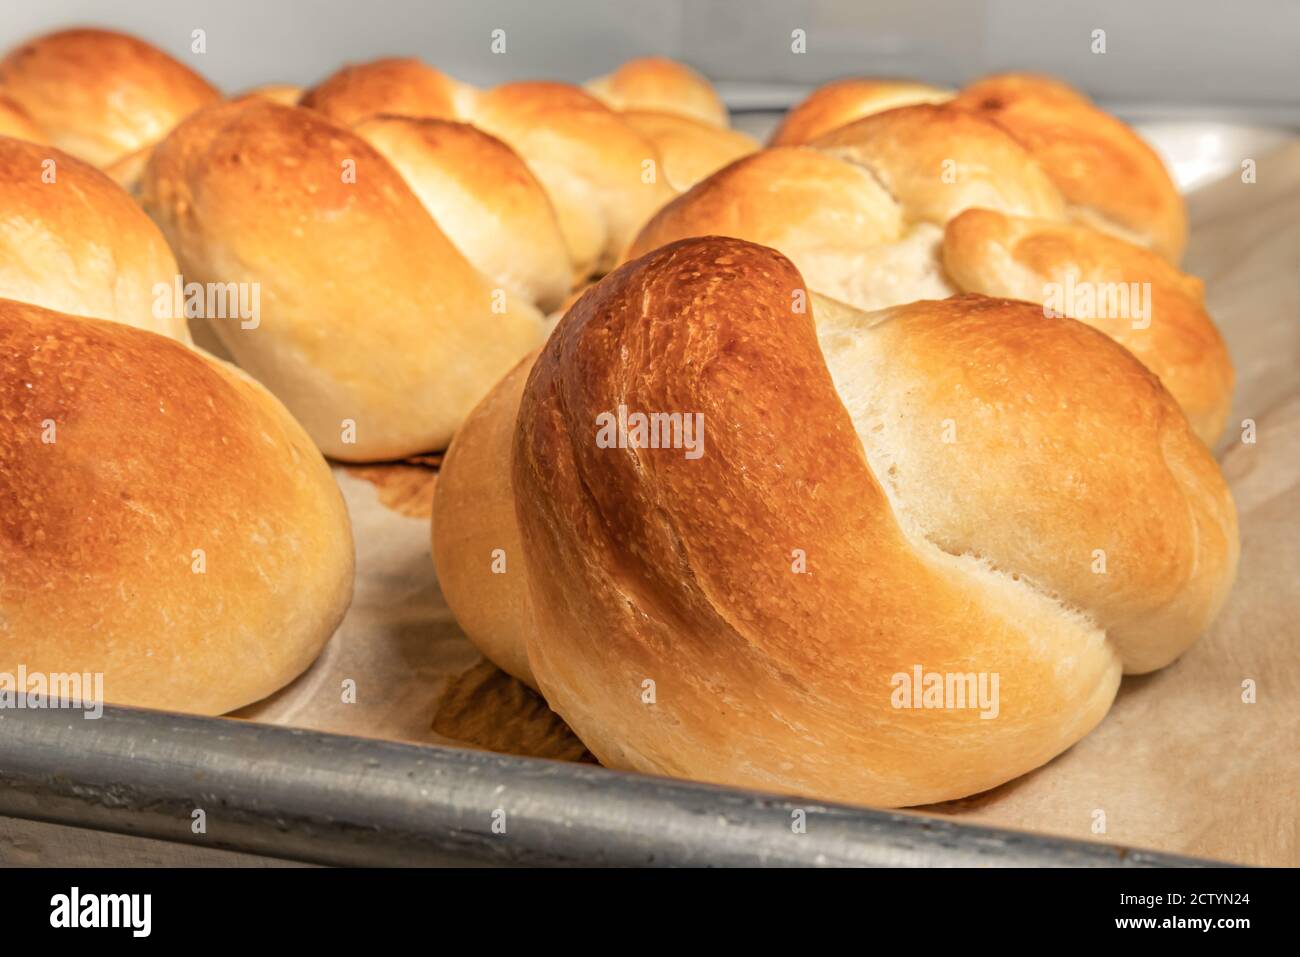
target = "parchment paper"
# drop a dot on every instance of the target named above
(1182, 763)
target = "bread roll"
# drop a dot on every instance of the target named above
(374, 330)
(286, 94)
(397, 86)
(128, 171)
(483, 196)
(480, 561)
(863, 212)
(987, 252)
(101, 95)
(660, 85)
(599, 172)
(918, 487)
(689, 150)
(840, 103)
(16, 122)
(1112, 180)
(834, 219)
(75, 242)
(600, 175)
(166, 522)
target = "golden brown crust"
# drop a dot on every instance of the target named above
(673, 629)
(826, 215)
(484, 197)
(600, 173)
(17, 122)
(121, 454)
(689, 150)
(1130, 293)
(398, 86)
(100, 95)
(75, 242)
(481, 569)
(862, 212)
(373, 326)
(660, 85)
(1111, 178)
(286, 94)
(840, 103)
(782, 197)
(937, 162)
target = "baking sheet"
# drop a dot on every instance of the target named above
(1182, 763)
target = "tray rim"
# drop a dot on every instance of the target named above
(336, 799)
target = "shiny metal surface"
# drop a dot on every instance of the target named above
(332, 799)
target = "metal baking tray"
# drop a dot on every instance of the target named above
(295, 795)
(336, 799)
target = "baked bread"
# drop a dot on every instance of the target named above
(374, 329)
(129, 170)
(864, 213)
(597, 170)
(16, 122)
(659, 85)
(997, 255)
(839, 103)
(480, 560)
(101, 95)
(484, 198)
(397, 86)
(1110, 179)
(75, 242)
(286, 94)
(598, 167)
(689, 149)
(877, 492)
(166, 522)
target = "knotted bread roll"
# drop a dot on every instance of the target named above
(689, 149)
(101, 95)
(872, 214)
(677, 110)
(1111, 180)
(483, 196)
(840, 103)
(964, 487)
(659, 85)
(166, 523)
(599, 167)
(374, 329)
(73, 241)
